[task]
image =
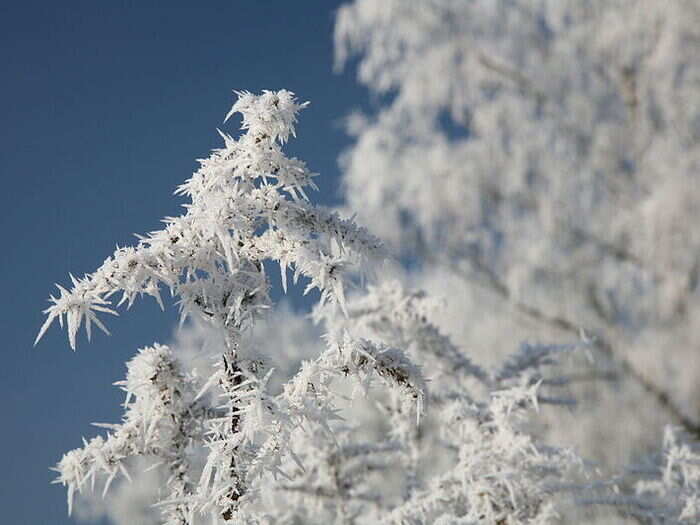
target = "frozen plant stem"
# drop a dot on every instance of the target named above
(249, 204)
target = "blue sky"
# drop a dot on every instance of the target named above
(104, 110)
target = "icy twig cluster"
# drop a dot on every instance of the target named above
(162, 419)
(248, 205)
(675, 489)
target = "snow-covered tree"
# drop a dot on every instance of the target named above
(537, 161)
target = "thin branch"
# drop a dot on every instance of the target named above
(499, 288)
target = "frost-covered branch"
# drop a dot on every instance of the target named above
(162, 419)
(248, 205)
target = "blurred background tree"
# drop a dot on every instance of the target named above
(537, 164)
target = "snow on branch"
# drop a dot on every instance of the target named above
(161, 419)
(248, 204)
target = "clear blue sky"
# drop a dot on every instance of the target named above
(103, 111)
